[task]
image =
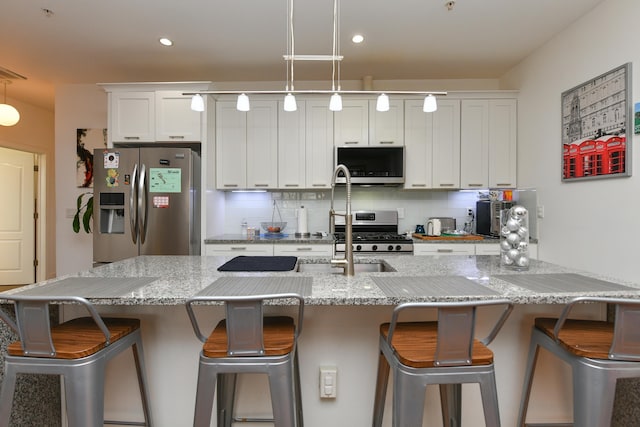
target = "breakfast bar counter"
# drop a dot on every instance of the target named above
(341, 322)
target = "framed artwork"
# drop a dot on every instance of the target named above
(86, 141)
(597, 123)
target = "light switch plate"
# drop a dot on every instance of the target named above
(328, 382)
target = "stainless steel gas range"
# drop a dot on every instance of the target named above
(374, 232)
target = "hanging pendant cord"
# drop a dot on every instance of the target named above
(333, 59)
(293, 46)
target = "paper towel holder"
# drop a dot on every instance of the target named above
(302, 224)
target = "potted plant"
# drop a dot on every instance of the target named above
(84, 209)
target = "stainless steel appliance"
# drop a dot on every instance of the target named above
(488, 216)
(146, 202)
(372, 165)
(374, 232)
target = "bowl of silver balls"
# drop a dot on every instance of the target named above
(514, 238)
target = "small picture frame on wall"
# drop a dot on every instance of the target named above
(86, 141)
(597, 123)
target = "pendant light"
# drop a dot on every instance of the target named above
(9, 116)
(197, 103)
(290, 99)
(430, 104)
(335, 103)
(243, 102)
(383, 103)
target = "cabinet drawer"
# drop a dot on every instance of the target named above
(488, 249)
(302, 250)
(239, 249)
(444, 249)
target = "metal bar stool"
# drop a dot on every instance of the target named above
(248, 342)
(598, 352)
(78, 350)
(443, 352)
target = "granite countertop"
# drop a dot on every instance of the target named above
(177, 278)
(262, 239)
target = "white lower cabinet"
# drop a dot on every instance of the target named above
(235, 249)
(302, 250)
(444, 249)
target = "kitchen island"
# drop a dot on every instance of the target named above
(341, 329)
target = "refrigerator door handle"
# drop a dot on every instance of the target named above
(133, 211)
(142, 203)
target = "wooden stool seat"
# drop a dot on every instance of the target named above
(415, 344)
(278, 336)
(81, 337)
(584, 338)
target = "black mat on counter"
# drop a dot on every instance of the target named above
(260, 263)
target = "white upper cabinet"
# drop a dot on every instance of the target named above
(386, 127)
(503, 143)
(433, 145)
(132, 117)
(175, 120)
(318, 145)
(352, 123)
(474, 144)
(231, 146)
(291, 146)
(488, 147)
(247, 146)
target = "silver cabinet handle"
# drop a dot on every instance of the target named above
(446, 185)
(386, 142)
(291, 185)
(176, 136)
(260, 185)
(303, 249)
(418, 185)
(448, 251)
(238, 248)
(474, 185)
(132, 137)
(503, 184)
(231, 185)
(351, 142)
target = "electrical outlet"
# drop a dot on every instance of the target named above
(469, 211)
(328, 382)
(400, 213)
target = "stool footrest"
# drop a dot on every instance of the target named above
(252, 420)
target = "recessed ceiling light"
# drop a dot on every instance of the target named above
(358, 38)
(166, 42)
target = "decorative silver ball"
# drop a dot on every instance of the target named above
(513, 224)
(506, 260)
(504, 245)
(513, 254)
(518, 212)
(522, 261)
(523, 232)
(523, 246)
(513, 239)
(505, 231)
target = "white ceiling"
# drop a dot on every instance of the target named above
(90, 41)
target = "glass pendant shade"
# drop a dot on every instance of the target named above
(243, 103)
(9, 116)
(335, 104)
(290, 102)
(197, 103)
(383, 103)
(430, 104)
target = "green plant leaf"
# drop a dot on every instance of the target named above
(76, 223)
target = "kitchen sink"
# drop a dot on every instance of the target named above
(326, 268)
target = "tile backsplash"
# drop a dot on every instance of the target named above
(414, 207)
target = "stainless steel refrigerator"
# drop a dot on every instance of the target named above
(146, 202)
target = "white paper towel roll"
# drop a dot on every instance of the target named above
(303, 226)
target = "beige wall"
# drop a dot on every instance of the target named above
(34, 133)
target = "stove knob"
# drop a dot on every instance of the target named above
(358, 247)
(374, 247)
(390, 248)
(398, 247)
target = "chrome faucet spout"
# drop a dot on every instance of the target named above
(345, 263)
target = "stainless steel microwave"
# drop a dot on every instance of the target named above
(371, 165)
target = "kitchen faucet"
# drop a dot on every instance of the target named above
(347, 262)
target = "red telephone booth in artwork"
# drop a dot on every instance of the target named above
(616, 148)
(587, 152)
(572, 161)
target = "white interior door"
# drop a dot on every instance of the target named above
(17, 228)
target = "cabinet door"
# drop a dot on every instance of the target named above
(132, 117)
(474, 144)
(446, 145)
(239, 249)
(319, 145)
(418, 141)
(386, 127)
(291, 147)
(502, 143)
(262, 145)
(352, 123)
(231, 146)
(175, 120)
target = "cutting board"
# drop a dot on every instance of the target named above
(467, 237)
